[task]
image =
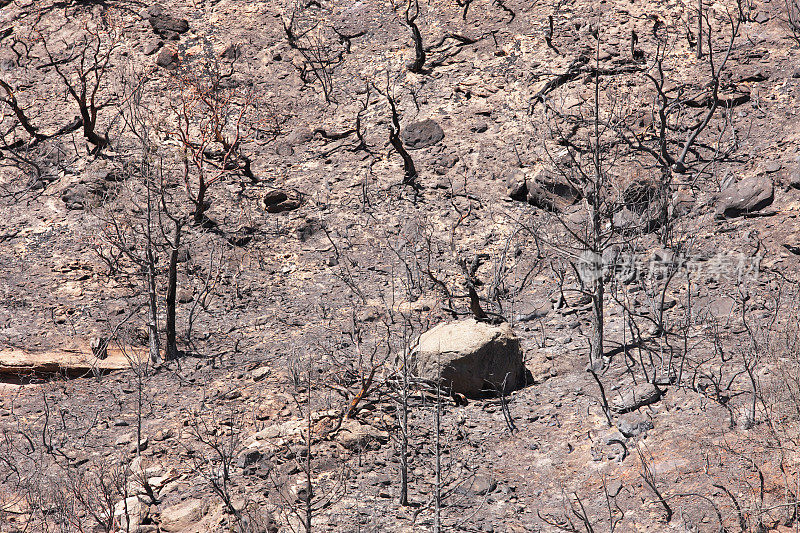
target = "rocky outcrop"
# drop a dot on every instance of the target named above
(469, 357)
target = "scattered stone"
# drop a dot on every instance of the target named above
(274, 197)
(232, 52)
(152, 46)
(793, 179)
(761, 17)
(472, 358)
(483, 485)
(141, 447)
(542, 189)
(356, 436)
(418, 135)
(183, 516)
(260, 373)
(751, 194)
(288, 205)
(516, 185)
(88, 191)
(166, 25)
(641, 395)
(634, 425)
(99, 346)
(131, 512)
(167, 58)
(124, 439)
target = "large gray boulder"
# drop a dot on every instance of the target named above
(473, 358)
(751, 194)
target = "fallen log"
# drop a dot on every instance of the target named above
(19, 363)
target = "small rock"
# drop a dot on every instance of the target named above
(165, 24)
(167, 58)
(634, 425)
(288, 205)
(142, 446)
(164, 434)
(483, 485)
(613, 488)
(480, 127)
(124, 439)
(99, 346)
(260, 373)
(232, 52)
(641, 395)
(152, 46)
(356, 436)
(751, 194)
(418, 135)
(274, 197)
(611, 436)
(182, 516)
(184, 295)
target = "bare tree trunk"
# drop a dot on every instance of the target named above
(172, 286)
(409, 170)
(596, 233)
(437, 523)
(309, 486)
(404, 431)
(152, 307)
(412, 12)
(598, 292)
(200, 202)
(699, 29)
